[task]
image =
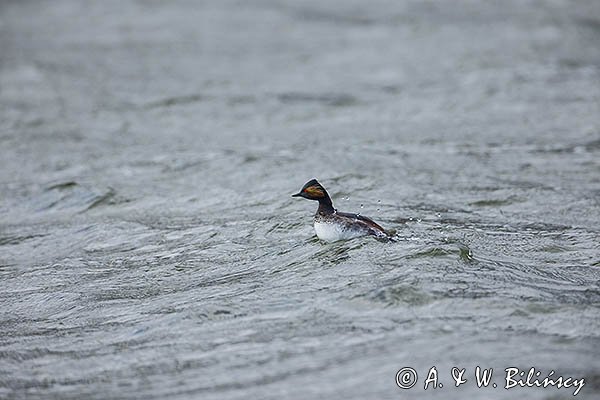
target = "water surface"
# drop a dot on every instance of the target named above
(149, 246)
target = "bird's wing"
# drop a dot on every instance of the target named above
(367, 220)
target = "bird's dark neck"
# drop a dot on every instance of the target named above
(325, 206)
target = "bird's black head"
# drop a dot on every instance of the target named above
(312, 190)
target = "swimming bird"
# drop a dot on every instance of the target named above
(332, 225)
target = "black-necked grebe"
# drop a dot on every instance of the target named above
(331, 225)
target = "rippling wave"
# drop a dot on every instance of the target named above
(149, 246)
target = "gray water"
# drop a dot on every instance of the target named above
(149, 246)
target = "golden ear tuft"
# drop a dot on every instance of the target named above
(314, 191)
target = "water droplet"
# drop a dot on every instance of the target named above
(379, 201)
(362, 206)
(439, 215)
